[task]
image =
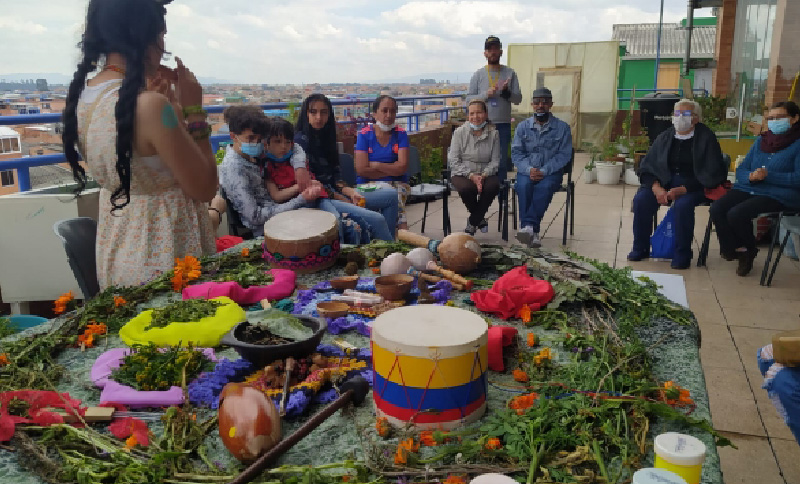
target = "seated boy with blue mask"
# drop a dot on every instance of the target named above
(241, 174)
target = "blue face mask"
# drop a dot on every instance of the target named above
(252, 149)
(476, 127)
(286, 157)
(779, 126)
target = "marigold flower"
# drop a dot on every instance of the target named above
(426, 438)
(382, 426)
(178, 282)
(189, 266)
(119, 301)
(60, 304)
(524, 313)
(409, 445)
(520, 375)
(522, 402)
(493, 444)
(400, 456)
(376, 270)
(130, 442)
(245, 252)
(373, 263)
(96, 328)
(454, 479)
(86, 340)
(531, 340)
(4, 359)
(675, 395)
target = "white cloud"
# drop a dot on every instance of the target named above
(17, 25)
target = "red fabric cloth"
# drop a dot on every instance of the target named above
(282, 174)
(499, 336)
(227, 241)
(717, 192)
(511, 291)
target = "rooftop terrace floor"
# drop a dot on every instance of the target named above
(736, 316)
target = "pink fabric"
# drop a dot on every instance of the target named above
(511, 291)
(282, 287)
(106, 363)
(499, 336)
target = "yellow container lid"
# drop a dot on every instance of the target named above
(651, 475)
(680, 449)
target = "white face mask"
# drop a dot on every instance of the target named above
(477, 127)
(385, 127)
(682, 123)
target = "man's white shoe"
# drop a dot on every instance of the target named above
(524, 235)
(535, 241)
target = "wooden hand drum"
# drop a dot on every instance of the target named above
(304, 240)
(430, 366)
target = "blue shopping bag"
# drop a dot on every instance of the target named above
(662, 242)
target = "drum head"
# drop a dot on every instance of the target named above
(413, 330)
(299, 224)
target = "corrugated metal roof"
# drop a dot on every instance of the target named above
(48, 175)
(641, 40)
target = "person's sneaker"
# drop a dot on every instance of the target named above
(636, 255)
(484, 226)
(729, 256)
(471, 229)
(746, 262)
(524, 235)
(535, 242)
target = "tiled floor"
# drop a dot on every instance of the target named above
(736, 315)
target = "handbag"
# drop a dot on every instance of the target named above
(662, 242)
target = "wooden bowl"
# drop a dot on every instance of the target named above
(394, 287)
(346, 282)
(332, 309)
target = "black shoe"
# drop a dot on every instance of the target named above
(636, 256)
(681, 266)
(746, 262)
(729, 256)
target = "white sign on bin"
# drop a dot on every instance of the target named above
(730, 113)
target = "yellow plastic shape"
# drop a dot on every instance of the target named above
(203, 333)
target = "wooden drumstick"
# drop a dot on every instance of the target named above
(418, 240)
(450, 275)
(435, 279)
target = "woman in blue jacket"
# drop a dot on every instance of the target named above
(768, 180)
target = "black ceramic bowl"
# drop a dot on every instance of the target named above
(262, 355)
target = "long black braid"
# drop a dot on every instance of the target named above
(129, 28)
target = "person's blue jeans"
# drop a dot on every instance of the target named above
(504, 132)
(534, 198)
(645, 207)
(376, 222)
(384, 200)
(784, 391)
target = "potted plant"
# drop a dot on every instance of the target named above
(590, 170)
(610, 168)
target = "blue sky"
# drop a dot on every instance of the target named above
(306, 41)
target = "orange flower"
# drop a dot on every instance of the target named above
(178, 282)
(543, 355)
(189, 267)
(675, 395)
(524, 313)
(531, 340)
(382, 426)
(4, 359)
(522, 402)
(86, 339)
(373, 263)
(376, 270)
(400, 456)
(60, 304)
(131, 442)
(520, 375)
(245, 252)
(346, 478)
(493, 444)
(96, 328)
(453, 479)
(119, 301)
(409, 445)
(426, 438)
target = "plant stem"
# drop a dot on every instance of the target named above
(598, 456)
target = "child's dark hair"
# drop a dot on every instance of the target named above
(127, 27)
(322, 142)
(241, 118)
(377, 103)
(790, 106)
(279, 127)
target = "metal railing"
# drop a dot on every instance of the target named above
(23, 165)
(703, 92)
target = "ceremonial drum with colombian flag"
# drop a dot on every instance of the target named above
(430, 366)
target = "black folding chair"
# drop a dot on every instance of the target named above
(79, 236)
(789, 221)
(235, 225)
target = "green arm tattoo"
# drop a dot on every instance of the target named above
(168, 117)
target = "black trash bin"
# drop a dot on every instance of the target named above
(656, 112)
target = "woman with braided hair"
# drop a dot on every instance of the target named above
(148, 149)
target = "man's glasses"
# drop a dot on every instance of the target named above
(541, 101)
(683, 113)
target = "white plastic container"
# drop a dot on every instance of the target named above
(681, 454)
(651, 475)
(608, 173)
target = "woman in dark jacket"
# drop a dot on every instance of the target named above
(683, 161)
(768, 180)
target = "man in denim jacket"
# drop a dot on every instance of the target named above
(542, 147)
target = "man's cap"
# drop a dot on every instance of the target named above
(542, 92)
(491, 40)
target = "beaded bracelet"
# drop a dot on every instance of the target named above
(197, 109)
(199, 130)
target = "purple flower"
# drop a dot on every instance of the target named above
(574, 349)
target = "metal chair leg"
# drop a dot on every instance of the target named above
(500, 205)
(703, 255)
(424, 216)
(446, 216)
(566, 221)
(778, 258)
(769, 253)
(513, 196)
(572, 210)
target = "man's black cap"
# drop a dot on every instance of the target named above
(491, 40)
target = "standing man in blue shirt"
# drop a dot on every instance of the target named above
(496, 85)
(541, 149)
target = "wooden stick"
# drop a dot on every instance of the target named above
(434, 279)
(450, 275)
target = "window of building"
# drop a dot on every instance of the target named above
(9, 145)
(7, 178)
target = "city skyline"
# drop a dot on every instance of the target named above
(306, 41)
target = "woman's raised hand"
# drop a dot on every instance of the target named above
(189, 91)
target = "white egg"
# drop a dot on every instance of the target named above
(420, 257)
